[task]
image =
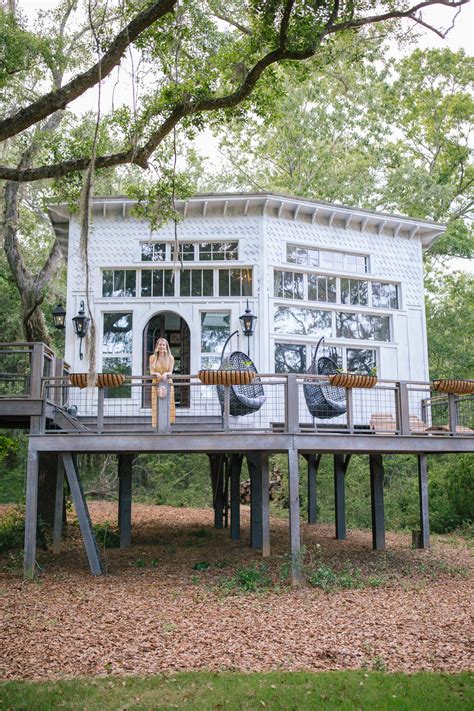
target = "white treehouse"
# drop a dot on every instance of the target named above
(304, 268)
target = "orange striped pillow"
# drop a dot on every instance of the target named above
(226, 377)
(454, 386)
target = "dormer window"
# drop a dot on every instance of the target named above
(327, 259)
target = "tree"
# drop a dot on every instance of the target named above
(370, 131)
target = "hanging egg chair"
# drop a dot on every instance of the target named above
(247, 398)
(324, 401)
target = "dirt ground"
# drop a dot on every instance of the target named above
(171, 602)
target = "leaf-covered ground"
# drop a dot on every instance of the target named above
(179, 599)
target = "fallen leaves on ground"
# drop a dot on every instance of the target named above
(162, 607)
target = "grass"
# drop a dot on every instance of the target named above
(202, 691)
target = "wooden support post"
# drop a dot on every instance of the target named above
(256, 523)
(313, 466)
(100, 409)
(82, 511)
(216, 462)
(125, 462)
(235, 469)
(403, 409)
(31, 512)
(340, 496)
(376, 494)
(265, 479)
(58, 507)
(424, 503)
(294, 499)
(453, 413)
(292, 403)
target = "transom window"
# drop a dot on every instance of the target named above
(119, 282)
(295, 357)
(157, 282)
(306, 322)
(354, 292)
(385, 296)
(196, 282)
(186, 252)
(235, 282)
(288, 285)
(218, 251)
(327, 259)
(154, 252)
(321, 288)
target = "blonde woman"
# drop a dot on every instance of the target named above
(161, 367)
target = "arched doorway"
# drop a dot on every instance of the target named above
(171, 326)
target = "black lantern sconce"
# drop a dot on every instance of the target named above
(247, 323)
(81, 323)
(59, 317)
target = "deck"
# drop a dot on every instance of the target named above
(394, 417)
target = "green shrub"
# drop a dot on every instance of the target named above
(12, 529)
(250, 578)
(107, 535)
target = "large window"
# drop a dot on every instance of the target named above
(154, 252)
(288, 285)
(354, 292)
(321, 288)
(218, 251)
(363, 326)
(157, 282)
(117, 349)
(186, 252)
(215, 330)
(197, 282)
(361, 360)
(306, 322)
(119, 282)
(235, 282)
(290, 358)
(384, 296)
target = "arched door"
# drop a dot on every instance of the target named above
(171, 326)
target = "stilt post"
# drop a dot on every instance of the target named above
(340, 496)
(58, 507)
(424, 502)
(265, 477)
(313, 466)
(376, 493)
(125, 462)
(256, 521)
(31, 512)
(235, 469)
(294, 499)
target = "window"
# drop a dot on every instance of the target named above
(186, 252)
(327, 259)
(361, 360)
(235, 282)
(290, 358)
(327, 351)
(153, 252)
(117, 349)
(157, 282)
(215, 330)
(218, 251)
(196, 282)
(321, 288)
(302, 255)
(354, 292)
(290, 319)
(365, 326)
(119, 283)
(288, 285)
(384, 296)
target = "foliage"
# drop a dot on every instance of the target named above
(12, 529)
(424, 691)
(249, 579)
(107, 535)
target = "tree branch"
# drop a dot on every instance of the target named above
(60, 98)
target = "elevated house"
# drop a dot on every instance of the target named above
(306, 270)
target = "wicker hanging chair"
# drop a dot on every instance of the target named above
(244, 399)
(324, 401)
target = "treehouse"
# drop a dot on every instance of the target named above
(296, 326)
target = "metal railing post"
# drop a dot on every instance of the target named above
(350, 409)
(292, 406)
(163, 407)
(403, 410)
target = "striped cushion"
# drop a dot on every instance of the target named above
(352, 380)
(226, 377)
(456, 387)
(103, 380)
(109, 380)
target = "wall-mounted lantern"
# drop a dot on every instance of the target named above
(59, 317)
(247, 324)
(81, 324)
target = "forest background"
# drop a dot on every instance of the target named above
(371, 120)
